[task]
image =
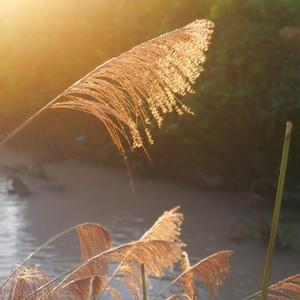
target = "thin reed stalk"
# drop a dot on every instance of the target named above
(144, 284)
(276, 213)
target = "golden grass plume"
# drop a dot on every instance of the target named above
(156, 255)
(187, 281)
(127, 92)
(89, 281)
(25, 282)
(93, 239)
(287, 289)
(210, 271)
(158, 249)
(166, 228)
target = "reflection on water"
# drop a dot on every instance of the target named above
(15, 239)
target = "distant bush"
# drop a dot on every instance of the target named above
(250, 88)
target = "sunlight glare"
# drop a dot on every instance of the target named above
(10, 6)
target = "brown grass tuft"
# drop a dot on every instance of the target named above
(156, 255)
(155, 261)
(25, 282)
(167, 227)
(187, 281)
(127, 92)
(211, 271)
(93, 238)
(287, 289)
(88, 282)
(158, 249)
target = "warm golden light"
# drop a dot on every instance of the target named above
(8, 6)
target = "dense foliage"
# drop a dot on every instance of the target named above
(251, 85)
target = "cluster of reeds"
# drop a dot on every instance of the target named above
(134, 264)
(160, 248)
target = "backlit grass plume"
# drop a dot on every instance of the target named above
(130, 91)
(93, 239)
(286, 289)
(156, 255)
(187, 281)
(167, 228)
(210, 271)
(25, 282)
(160, 248)
(90, 280)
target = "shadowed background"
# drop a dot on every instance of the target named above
(250, 87)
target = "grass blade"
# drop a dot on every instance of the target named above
(276, 213)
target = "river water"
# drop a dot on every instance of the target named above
(77, 193)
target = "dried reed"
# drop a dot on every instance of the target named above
(156, 255)
(25, 282)
(211, 271)
(88, 282)
(287, 289)
(167, 228)
(47, 243)
(127, 92)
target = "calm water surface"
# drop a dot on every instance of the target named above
(77, 193)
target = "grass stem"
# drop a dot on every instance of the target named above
(276, 213)
(144, 285)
